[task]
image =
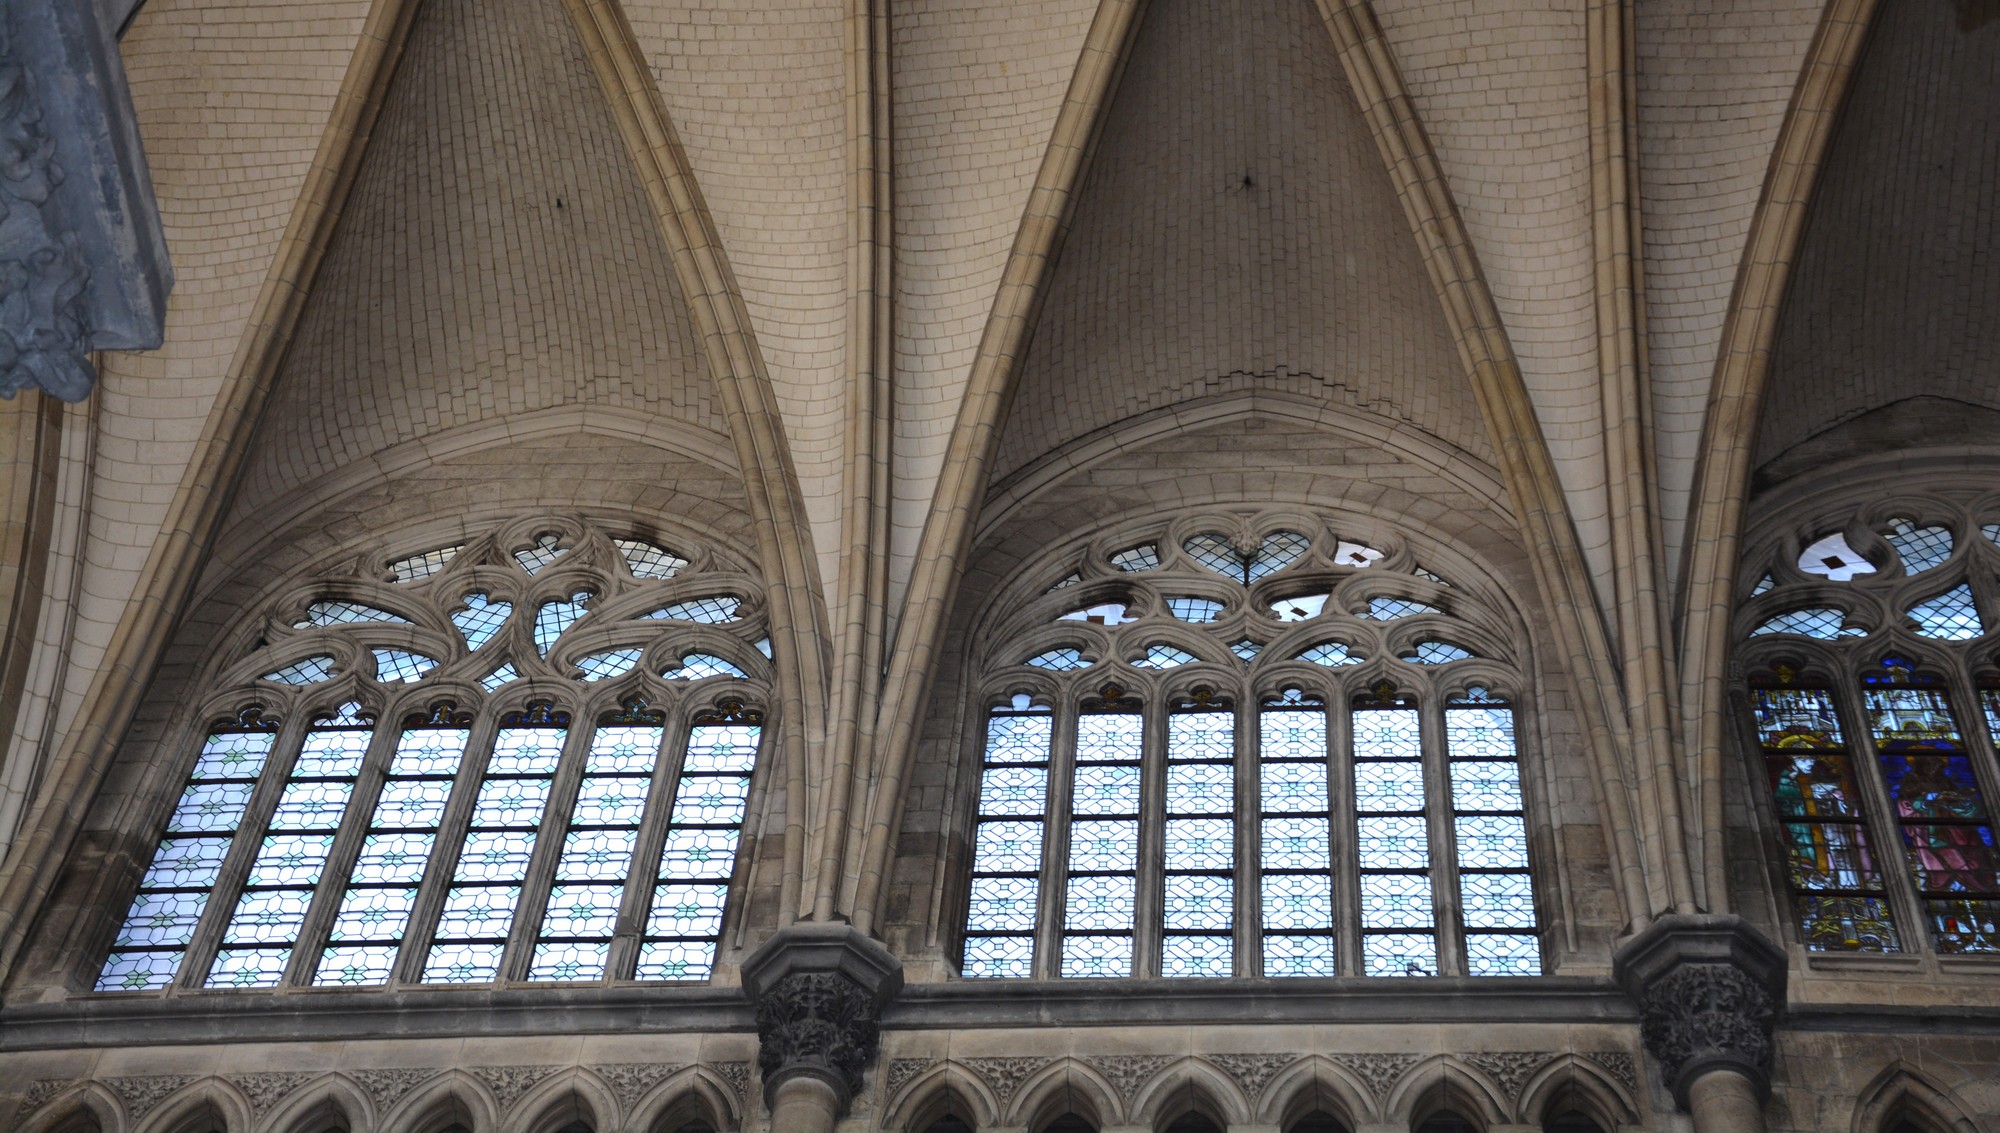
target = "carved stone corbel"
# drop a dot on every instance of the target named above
(819, 991)
(1709, 991)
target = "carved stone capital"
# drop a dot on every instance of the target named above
(819, 991)
(1709, 991)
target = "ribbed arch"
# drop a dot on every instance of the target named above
(577, 1101)
(691, 1097)
(940, 1091)
(1902, 1099)
(1315, 1085)
(1577, 1085)
(1189, 1088)
(1066, 1087)
(1444, 1086)
(446, 1103)
(91, 1109)
(210, 1105)
(332, 1102)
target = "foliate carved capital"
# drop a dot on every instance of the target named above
(1709, 991)
(819, 990)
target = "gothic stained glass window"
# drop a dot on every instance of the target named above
(1947, 834)
(684, 923)
(1200, 834)
(1186, 837)
(1496, 893)
(1007, 842)
(499, 842)
(374, 913)
(257, 943)
(176, 887)
(1836, 884)
(1101, 886)
(1398, 915)
(1296, 828)
(477, 844)
(582, 912)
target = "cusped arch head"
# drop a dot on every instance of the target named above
(209, 1105)
(1577, 1085)
(1315, 1084)
(89, 1108)
(450, 1100)
(331, 1101)
(1191, 1085)
(1445, 1083)
(563, 1100)
(941, 1089)
(1062, 1087)
(1901, 1096)
(690, 1095)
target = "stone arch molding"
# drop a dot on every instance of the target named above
(1901, 1094)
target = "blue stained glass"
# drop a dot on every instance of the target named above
(610, 800)
(623, 749)
(1389, 785)
(676, 960)
(291, 859)
(702, 666)
(1201, 735)
(1396, 900)
(481, 619)
(1961, 926)
(1103, 736)
(311, 805)
(1200, 788)
(1764, 585)
(597, 855)
(1003, 904)
(374, 914)
(998, 957)
(571, 960)
(1500, 954)
(511, 802)
(1492, 841)
(1103, 846)
(721, 747)
(1297, 901)
(1013, 791)
(1201, 843)
(1289, 956)
(138, 971)
(233, 755)
(714, 610)
(526, 751)
(1921, 548)
(582, 910)
(161, 919)
(553, 619)
(1197, 902)
(355, 965)
(1246, 650)
(1294, 787)
(400, 666)
(684, 909)
(610, 663)
(1950, 616)
(411, 803)
(1911, 719)
(1190, 957)
(1106, 788)
(249, 967)
(209, 807)
(1485, 786)
(498, 677)
(1398, 954)
(1101, 957)
(463, 963)
(649, 560)
(1386, 734)
(478, 911)
(267, 916)
(1796, 718)
(1394, 843)
(1497, 900)
(1479, 733)
(1297, 843)
(1018, 738)
(416, 568)
(1096, 903)
(186, 863)
(711, 800)
(698, 853)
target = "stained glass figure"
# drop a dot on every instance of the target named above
(690, 892)
(554, 618)
(1101, 890)
(1398, 920)
(582, 911)
(1062, 660)
(1296, 822)
(702, 666)
(1200, 837)
(1496, 893)
(1947, 834)
(374, 912)
(1836, 886)
(1002, 909)
(546, 548)
(176, 886)
(1103, 614)
(1437, 653)
(306, 671)
(416, 568)
(1163, 656)
(338, 612)
(257, 942)
(717, 609)
(649, 560)
(401, 666)
(1831, 557)
(1145, 556)
(480, 620)
(1921, 548)
(499, 840)
(1820, 622)
(1950, 616)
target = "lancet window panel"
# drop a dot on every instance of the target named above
(517, 810)
(1258, 746)
(1875, 720)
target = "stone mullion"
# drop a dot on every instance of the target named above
(445, 849)
(644, 872)
(340, 859)
(1441, 821)
(1879, 818)
(1345, 835)
(1249, 814)
(243, 848)
(549, 838)
(1149, 889)
(1055, 839)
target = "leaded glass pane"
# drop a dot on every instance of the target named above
(1332, 654)
(1921, 548)
(1217, 553)
(336, 611)
(610, 663)
(1104, 844)
(1824, 624)
(1305, 954)
(400, 666)
(1097, 956)
(1502, 954)
(702, 666)
(481, 619)
(1301, 608)
(307, 671)
(1246, 650)
(1438, 653)
(552, 619)
(648, 560)
(1390, 609)
(1198, 611)
(1209, 956)
(1103, 614)
(416, 568)
(582, 912)
(1279, 550)
(1398, 954)
(1950, 616)
(498, 677)
(1003, 904)
(1296, 832)
(715, 610)
(1164, 657)
(1832, 557)
(499, 841)
(1393, 840)
(1496, 892)
(1145, 556)
(1062, 660)
(684, 920)
(546, 548)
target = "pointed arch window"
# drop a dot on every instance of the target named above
(1874, 708)
(520, 809)
(1270, 750)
